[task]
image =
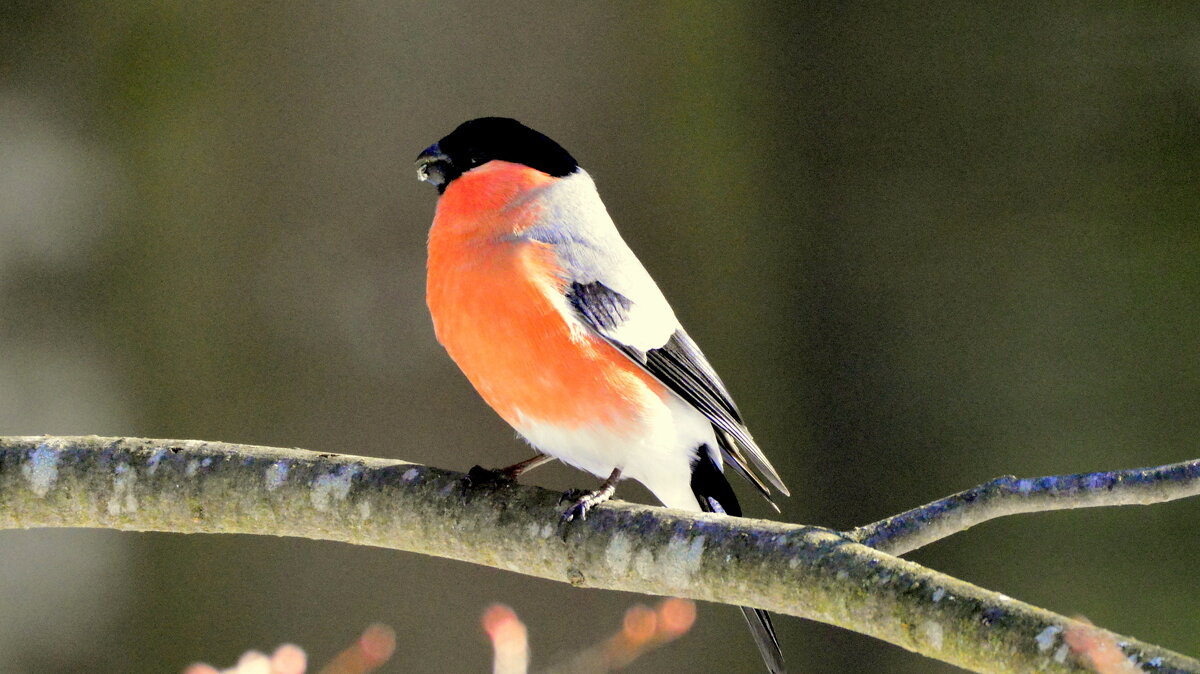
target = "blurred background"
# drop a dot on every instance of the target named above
(924, 245)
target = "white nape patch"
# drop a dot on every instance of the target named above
(656, 448)
(332, 486)
(938, 594)
(1045, 638)
(589, 248)
(276, 475)
(123, 499)
(410, 475)
(933, 633)
(193, 465)
(41, 469)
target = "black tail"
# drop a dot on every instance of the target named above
(715, 495)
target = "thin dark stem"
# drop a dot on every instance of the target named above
(1009, 495)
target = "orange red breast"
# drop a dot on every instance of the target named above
(498, 302)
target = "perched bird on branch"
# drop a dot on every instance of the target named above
(555, 322)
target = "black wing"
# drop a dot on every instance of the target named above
(681, 367)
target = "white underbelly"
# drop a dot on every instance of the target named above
(657, 448)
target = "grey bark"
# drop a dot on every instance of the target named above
(190, 486)
(1009, 495)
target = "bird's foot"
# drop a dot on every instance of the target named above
(590, 499)
(583, 504)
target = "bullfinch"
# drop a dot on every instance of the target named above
(552, 318)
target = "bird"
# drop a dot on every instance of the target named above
(558, 326)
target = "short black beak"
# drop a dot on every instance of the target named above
(435, 168)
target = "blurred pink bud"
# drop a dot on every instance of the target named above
(509, 640)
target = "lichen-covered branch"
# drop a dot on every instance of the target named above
(1009, 495)
(210, 487)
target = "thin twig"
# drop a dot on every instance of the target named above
(1009, 495)
(207, 487)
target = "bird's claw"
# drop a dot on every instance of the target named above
(577, 509)
(582, 503)
(588, 500)
(571, 495)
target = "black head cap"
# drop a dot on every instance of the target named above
(479, 141)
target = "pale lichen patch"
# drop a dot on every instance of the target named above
(643, 564)
(364, 509)
(332, 486)
(938, 594)
(410, 474)
(123, 498)
(152, 462)
(193, 465)
(41, 469)
(933, 634)
(540, 530)
(1060, 655)
(683, 559)
(619, 553)
(277, 474)
(1045, 638)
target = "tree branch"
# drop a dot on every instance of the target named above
(1008, 495)
(208, 487)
